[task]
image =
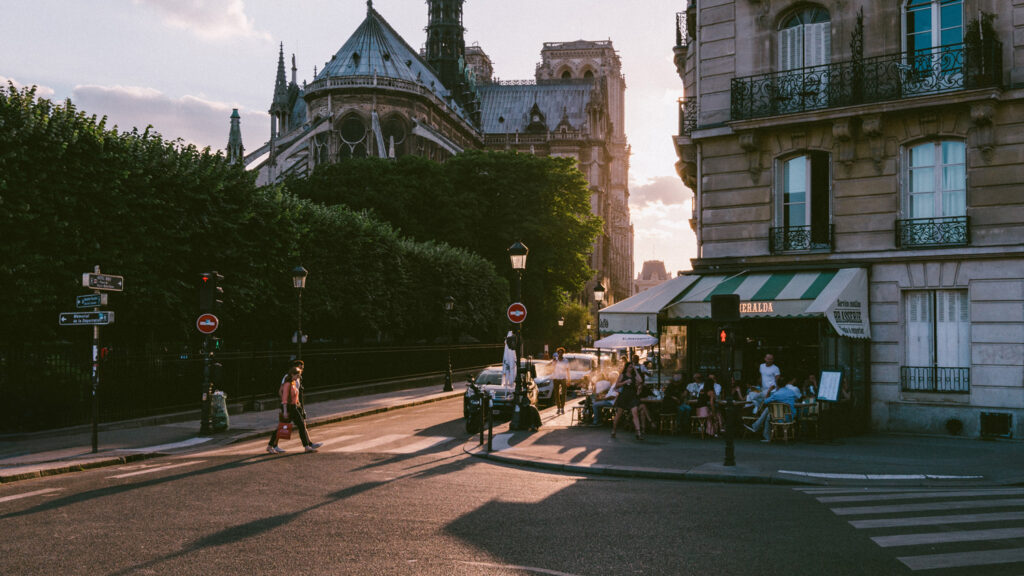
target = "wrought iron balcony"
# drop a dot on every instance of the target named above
(932, 232)
(800, 238)
(687, 115)
(935, 379)
(868, 80)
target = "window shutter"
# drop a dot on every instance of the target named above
(791, 48)
(953, 329)
(919, 329)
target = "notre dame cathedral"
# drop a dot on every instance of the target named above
(377, 96)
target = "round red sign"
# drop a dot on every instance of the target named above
(207, 323)
(517, 312)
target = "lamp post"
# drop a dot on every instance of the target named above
(299, 282)
(598, 298)
(561, 321)
(586, 339)
(517, 256)
(449, 307)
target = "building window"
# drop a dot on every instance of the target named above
(803, 219)
(933, 23)
(935, 195)
(938, 354)
(805, 39)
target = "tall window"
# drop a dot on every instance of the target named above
(938, 355)
(934, 23)
(802, 205)
(936, 180)
(805, 39)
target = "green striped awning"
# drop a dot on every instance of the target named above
(839, 295)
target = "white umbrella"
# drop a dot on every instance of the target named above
(508, 362)
(617, 341)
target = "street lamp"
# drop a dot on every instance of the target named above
(449, 307)
(299, 282)
(561, 321)
(517, 256)
(598, 298)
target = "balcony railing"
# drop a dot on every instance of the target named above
(935, 379)
(868, 80)
(687, 115)
(799, 238)
(933, 232)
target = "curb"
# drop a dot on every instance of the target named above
(116, 460)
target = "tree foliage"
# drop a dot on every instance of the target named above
(483, 202)
(74, 194)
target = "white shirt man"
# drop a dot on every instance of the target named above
(769, 374)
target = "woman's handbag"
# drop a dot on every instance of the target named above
(284, 428)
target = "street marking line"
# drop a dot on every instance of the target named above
(948, 537)
(960, 559)
(379, 441)
(156, 469)
(850, 490)
(899, 508)
(172, 446)
(838, 476)
(517, 567)
(933, 520)
(919, 495)
(28, 494)
(424, 444)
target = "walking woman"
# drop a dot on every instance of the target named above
(291, 411)
(560, 379)
(628, 399)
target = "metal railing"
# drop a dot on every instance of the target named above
(50, 386)
(800, 238)
(935, 379)
(687, 115)
(931, 232)
(868, 80)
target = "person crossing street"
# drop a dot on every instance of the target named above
(291, 411)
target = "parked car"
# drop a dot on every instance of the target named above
(582, 369)
(489, 382)
(545, 387)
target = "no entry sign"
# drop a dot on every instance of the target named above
(517, 312)
(207, 323)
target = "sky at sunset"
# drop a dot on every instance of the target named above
(182, 65)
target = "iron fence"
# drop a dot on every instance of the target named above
(930, 232)
(51, 387)
(935, 379)
(800, 238)
(687, 115)
(868, 80)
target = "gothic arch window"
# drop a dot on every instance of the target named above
(566, 75)
(805, 38)
(395, 133)
(588, 74)
(352, 130)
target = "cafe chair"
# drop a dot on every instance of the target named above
(809, 419)
(666, 421)
(699, 425)
(782, 421)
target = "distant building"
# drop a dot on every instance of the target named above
(652, 274)
(379, 97)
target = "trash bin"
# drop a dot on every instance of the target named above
(219, 411)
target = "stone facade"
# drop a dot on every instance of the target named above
(651, 274)
(909, 159)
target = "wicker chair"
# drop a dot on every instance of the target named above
(782, 421)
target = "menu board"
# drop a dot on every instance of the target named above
(829, 388)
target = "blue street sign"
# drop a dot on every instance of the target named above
(86, 318)
(103, 281)
(90, 300)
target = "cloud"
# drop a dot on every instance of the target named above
(210, 19)
(41, 91)
(664, 189)
(194, 120)
(662, 232)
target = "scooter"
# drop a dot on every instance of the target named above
(474, 408)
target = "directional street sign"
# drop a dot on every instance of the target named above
(517, 312)
(103, 282)
(90, 300)
(207, 323)
(86, 318)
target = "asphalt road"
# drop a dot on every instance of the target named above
(396, 494)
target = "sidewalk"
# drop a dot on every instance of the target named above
(874, 459)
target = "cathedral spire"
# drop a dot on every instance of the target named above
(446, 43)
(295, 69)
(235, 150)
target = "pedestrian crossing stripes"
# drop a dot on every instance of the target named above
(953, 526)
(346, 443)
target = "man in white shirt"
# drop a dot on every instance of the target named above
(769, 374)
(693, 388)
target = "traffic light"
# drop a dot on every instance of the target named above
(726, 335)
(211, 294)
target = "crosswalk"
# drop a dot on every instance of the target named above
(401, 444)
(970, 529)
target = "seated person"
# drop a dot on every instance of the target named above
(784, 394)
(675, 401)
(604, 396)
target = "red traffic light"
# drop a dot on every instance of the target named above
(723, 336)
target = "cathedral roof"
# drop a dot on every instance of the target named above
(376, 49)
(506, 107)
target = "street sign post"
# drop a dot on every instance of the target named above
(516, 312)
(91, 300)
(99, 318)
(97, 281)
(207, 323)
